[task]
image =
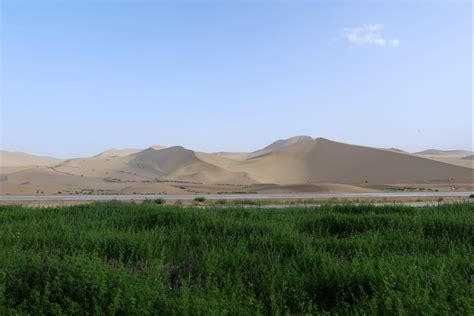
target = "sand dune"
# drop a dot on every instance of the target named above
(438, 152)
(178, 163)
(302, 188)
(397, 150)
(454, 157)
(232, 155)
(281, 143)
(298, 164)
(452, 160)
(325, 161)
(17, 159)
(118, 152)
(470, 157)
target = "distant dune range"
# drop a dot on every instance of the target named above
(456, 157)
(297, 164)
(20, 159)
(437, 152)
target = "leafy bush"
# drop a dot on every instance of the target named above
(245, 202)
(200, 199)
(158, 201)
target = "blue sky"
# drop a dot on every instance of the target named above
(82, 76)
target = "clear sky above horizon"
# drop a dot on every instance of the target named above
(80, 77)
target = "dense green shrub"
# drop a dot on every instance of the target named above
(158, 201)
(129, 259)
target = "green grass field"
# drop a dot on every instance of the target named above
(124, 259)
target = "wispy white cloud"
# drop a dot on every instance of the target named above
(369, 34)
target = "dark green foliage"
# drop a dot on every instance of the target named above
(158, 201)
(128, 259)
(245, 202)
(200, 199)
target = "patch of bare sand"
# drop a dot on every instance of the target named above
(310, 188)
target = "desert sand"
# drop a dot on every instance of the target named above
(456, 157)
(297, 164)
(20, 159)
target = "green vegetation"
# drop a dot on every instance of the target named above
(292, 202)
(244, 202)
(200, 199)
(141, 259)
(158, 201)
(221, 202)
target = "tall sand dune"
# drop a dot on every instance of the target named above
(281, 143)
(178, 163)
(325, 161)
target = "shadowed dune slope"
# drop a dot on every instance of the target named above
(281, 143)
(178, 163)
(117, 152)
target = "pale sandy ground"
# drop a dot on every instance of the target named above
(299, 164)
